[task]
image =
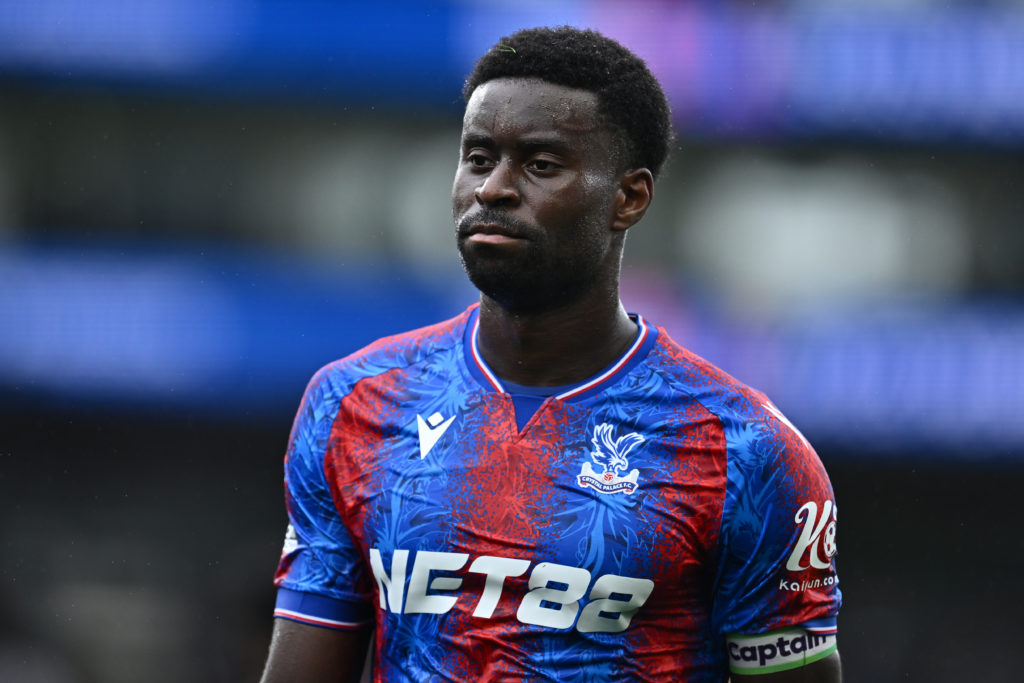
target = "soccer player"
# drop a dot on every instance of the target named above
(547, 487)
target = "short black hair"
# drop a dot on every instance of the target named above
(629, 97)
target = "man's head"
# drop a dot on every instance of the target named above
(629, 98)
(556, 164)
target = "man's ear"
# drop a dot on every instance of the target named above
(636, 189)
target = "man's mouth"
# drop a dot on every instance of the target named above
(492, 233)
(491, 228)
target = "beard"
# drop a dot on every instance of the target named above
(536, 273)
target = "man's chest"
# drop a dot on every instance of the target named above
(455, 508)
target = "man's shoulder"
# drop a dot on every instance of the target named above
(747, 415)
(395, 352)
(758, 433)
(705, 382)
(407, 347)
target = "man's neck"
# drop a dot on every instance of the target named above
(553, 347)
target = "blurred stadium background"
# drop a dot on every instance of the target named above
(202, 202)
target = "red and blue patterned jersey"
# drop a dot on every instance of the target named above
(619, 529)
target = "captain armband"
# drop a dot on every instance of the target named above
(782, 650)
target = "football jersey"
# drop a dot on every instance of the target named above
(620, 530)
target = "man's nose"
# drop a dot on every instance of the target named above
(499, 187)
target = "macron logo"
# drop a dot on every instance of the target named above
(431, 430)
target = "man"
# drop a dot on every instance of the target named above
(547, 487)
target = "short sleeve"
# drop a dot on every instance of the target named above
(776, 564)
(321, 578)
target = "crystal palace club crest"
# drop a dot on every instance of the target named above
(610, 453)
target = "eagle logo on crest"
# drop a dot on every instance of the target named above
(610, 453)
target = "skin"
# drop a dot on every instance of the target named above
(300, 653)
(541, 213)
(541, 208)
(827, 670)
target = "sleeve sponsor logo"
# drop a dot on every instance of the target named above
(800, 586)
(779, 650)
(555, 597)
(817, 542)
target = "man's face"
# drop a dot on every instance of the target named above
(533, 194)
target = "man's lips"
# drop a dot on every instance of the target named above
(491, 233)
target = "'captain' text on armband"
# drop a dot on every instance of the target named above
(553, 599)
(779, 650)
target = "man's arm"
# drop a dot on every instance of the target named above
(826, 670)
(300, 653)
(780, 535)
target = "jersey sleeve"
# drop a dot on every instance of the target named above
(321, 578)
(778, 539)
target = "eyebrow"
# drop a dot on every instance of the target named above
(528, 144)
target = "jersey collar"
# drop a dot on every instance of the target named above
(637, 351)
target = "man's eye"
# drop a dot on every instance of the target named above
(478, 160)
(544, 165)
